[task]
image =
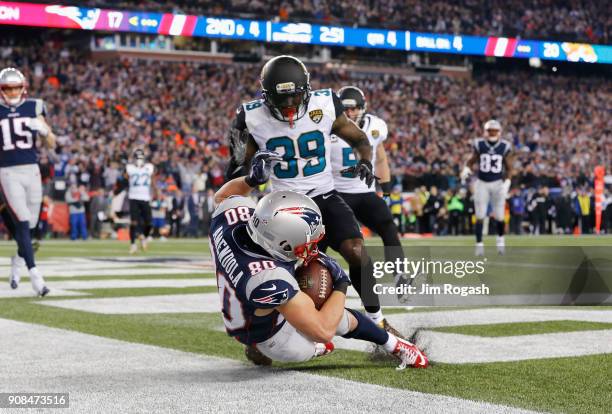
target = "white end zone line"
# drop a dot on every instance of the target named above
(107, 375)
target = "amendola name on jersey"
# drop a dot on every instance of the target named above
(247, 277)
(343, 156)
(306, 148)
(492, 155)
(140, 181)
(18, 140)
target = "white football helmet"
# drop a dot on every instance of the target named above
(492, 130)
(139, 156)
(287, 225)
(12, 78)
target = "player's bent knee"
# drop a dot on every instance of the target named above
(352, 250)
(344, 326)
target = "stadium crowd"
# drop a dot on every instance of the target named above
(180, 112)
(570, 20)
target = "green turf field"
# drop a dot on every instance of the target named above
(579, 384)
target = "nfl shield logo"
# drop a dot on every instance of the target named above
(316, 115)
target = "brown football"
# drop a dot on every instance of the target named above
(315, 280)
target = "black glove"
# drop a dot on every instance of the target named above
(341, 279)
(363, 169)
(261, 165)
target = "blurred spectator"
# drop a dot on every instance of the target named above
(76, 197)
(517, 211)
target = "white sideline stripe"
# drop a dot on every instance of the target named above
(188, 303)
(68, 272)
(458, 349)
(25, 291)
(107, 375)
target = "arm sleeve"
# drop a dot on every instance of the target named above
(233, 202)
(338, 107)
(384, 131)
(271, 288)
(41, 108)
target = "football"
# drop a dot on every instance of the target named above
(315, 280)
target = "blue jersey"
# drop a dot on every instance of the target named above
(18, 146)
(491, 165)
(247, 277)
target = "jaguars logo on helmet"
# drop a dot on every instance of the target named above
(285, 86)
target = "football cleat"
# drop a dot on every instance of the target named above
(133, 248)
(409, 355)
(390, 329)
(501, 245)
(323, 349)
(45, 290)
(256, 357)
(479, 252)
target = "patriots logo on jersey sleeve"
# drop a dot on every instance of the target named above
(275, 299)
(309, 215)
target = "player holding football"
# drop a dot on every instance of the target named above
(256, 249)
(22, 121)
(494, 158)
(140, 178)
(298, 123)
(369, 208)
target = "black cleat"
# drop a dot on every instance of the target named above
(256, 357)
(45, 290)
(14, 284)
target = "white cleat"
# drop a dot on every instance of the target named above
(38, 283)
(501, 245)
(133, 248)
(322, 349)
(16, 263)
(479, 252)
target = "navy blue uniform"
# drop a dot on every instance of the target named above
(18, 144)
(247, 277)
(491, 165)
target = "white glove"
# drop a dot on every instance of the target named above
(465, 173)
(506, 186)
(38, 125)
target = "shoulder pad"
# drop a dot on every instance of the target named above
(233, 202)
(40, 107)
(271, 288)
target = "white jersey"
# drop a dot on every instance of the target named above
(306, 148)
(140, 181)
(343, 156)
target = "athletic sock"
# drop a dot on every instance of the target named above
(24, 244)
(376, 317)
(500, 228)
(390, 344)
(479, 232)
(132, 233)
(367, 330)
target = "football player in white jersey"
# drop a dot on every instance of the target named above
(22, 121)
(494, 158)
(369, 208)
(298, 123)
(256, 249)
(140, 182)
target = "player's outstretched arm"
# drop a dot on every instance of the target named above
(467, 168)
(321, 325)
(237, 186)
(351, 133)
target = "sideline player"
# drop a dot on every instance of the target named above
(140, 181)
(494, 159)
(369, 208)
(298, 123)
(256, 249)
(22, 121)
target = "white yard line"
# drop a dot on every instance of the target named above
(107, 375)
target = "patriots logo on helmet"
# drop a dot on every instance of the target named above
(276, 298)
(309, 215)
(86, 21)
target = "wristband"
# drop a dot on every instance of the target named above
(341, 287)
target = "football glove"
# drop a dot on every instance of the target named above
(465, 173)
(341, 279)
(37, 125)
(261, 166)
(364, 170)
